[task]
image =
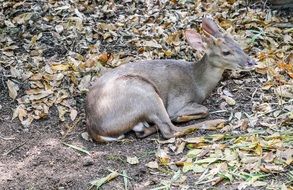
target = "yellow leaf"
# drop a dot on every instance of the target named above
(217, 137)
(162, 156)
(187, 166)
(60, 67)
(226, 23)
(168, 53)
(258, 150)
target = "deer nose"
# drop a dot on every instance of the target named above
(251, 62)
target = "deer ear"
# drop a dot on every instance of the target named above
(195, 40)
(210, 27)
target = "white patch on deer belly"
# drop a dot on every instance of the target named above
(140, 127)
(111, 139)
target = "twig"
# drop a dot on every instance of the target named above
(7, 138)
(74, 124)
(265, 4)
(207, 181)
(284, 25)
(246, 7)
(123, 175)
(202, 177)
(11, 150)
(219, 111)
(125, 180)
(252, 96)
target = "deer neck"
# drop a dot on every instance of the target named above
(206, 76)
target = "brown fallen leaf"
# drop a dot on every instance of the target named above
(13, 88)
(271, 168)
(269, 157)
(62, 111)
(285, 91)
(73, 114)
(153, 165)
(180, 148)
(60, 67)
(230, 101)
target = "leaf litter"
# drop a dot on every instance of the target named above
(49, 59)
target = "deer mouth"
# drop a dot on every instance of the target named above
(249, 65)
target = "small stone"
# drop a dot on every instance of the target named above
(132, 160)
(88, 161)
(59, 28)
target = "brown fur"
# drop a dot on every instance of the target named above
(137, 77)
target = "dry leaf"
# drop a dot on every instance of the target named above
(153, 165)
(163, 157)
(132, 160)
(180, 148)
(84, 83)
(230, 101)
(73, 114)
(171, 140)
(285, 91)
(13, 88)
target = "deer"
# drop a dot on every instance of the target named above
(149, 96)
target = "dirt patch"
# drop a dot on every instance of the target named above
(36, 158)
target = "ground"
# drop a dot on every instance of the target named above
(35, 158)
(51, 51)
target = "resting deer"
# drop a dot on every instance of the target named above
(157, 92)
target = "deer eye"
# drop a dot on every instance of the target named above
(225, 53)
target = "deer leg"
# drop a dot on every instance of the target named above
(169, 130)
(147, 132)
(190, 112)
(159, 116)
